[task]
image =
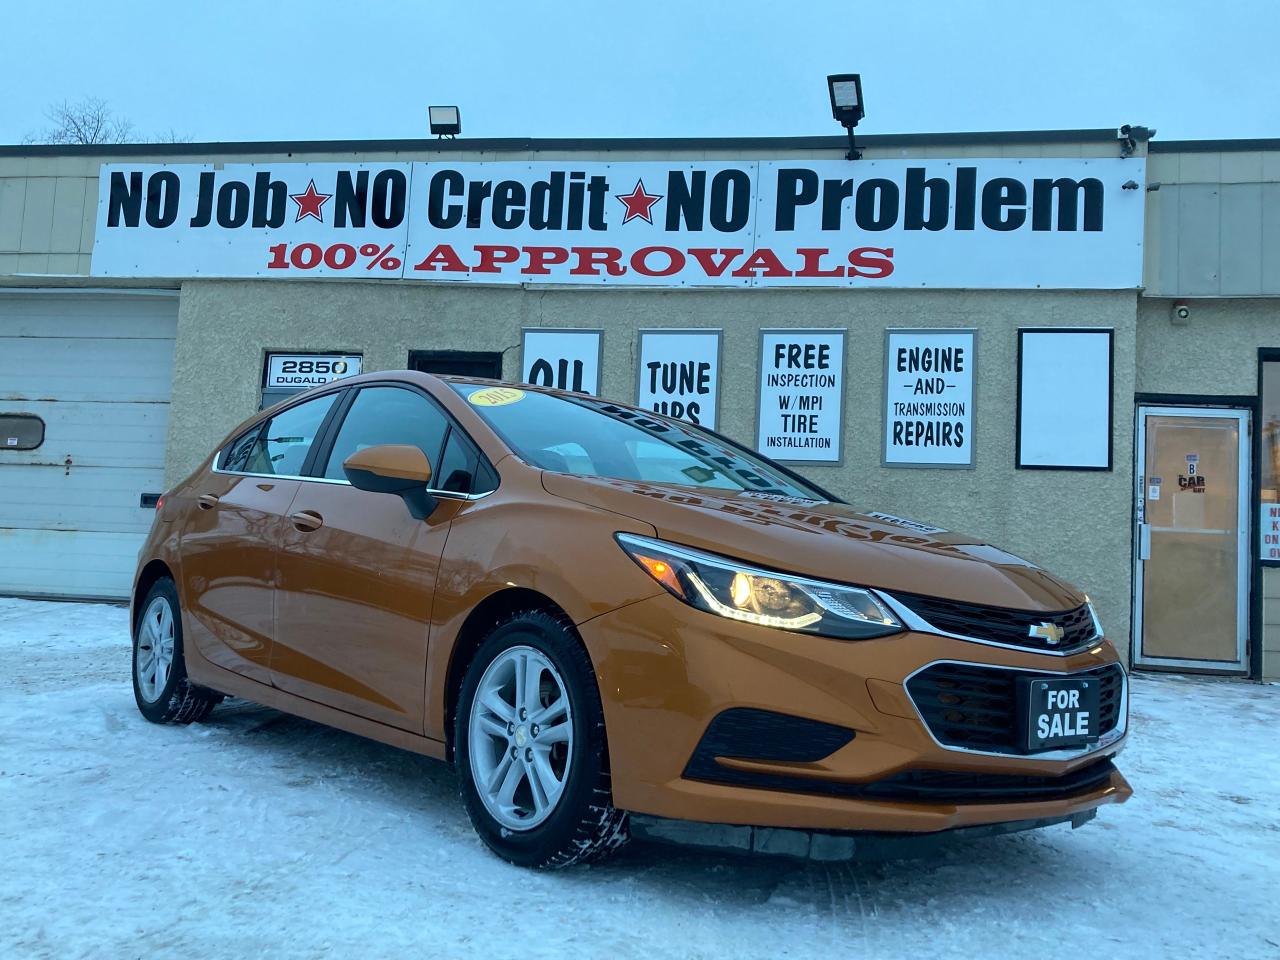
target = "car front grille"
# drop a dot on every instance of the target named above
(976, 708)
(1002, 625)
(758, 734)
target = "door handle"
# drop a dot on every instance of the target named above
(207, 501)
(1144, 541)
(307, 520)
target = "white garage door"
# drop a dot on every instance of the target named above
(97, 370)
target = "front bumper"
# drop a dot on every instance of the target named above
(667, 671)
(827, 845)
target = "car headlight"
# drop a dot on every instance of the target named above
(767, 598)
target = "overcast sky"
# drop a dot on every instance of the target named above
(268, 70)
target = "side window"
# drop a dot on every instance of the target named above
(281, 446)
(388, 415)
(20, 431)
(235, 455)
(457, 468)
(486, 478)
(462, 468)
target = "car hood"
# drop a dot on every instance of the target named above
(830, 541)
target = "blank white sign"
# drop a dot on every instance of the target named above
(1064, 401)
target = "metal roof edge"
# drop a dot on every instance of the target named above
(569, 144)
(1213, 146)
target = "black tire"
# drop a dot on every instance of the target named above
(178, 700)
(584, 825)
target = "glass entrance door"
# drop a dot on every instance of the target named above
(1191, 583)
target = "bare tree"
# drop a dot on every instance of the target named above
(171, 136)
(84, 121)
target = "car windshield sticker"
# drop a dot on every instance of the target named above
(699, 474)
(901, 522)
(779, 498)
(495, 396)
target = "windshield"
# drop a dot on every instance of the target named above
(590, 437)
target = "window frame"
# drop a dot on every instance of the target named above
(476, 455)
(219, 463)
(308, 461)
(328, 434)
(44, 431)
(1266, 355)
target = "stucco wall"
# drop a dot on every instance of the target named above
(1214, 352)
(1075, 523)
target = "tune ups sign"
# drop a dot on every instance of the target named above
(1000, 223)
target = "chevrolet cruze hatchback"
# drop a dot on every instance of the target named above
(595, 611)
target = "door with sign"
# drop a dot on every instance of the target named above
(1191, 582)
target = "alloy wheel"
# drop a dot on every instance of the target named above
(154, 659)
(520, 738)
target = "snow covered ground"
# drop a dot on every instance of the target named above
(258, 835)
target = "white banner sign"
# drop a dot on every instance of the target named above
(288, 371)
(928, 398)
(679, 374)
(801, 413)
(564, 359)
(973, 223)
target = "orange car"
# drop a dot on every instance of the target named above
(610, 620)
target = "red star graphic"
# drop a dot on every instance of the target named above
(638, 203)
(310, 202)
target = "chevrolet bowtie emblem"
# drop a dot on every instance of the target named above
(1050, 633)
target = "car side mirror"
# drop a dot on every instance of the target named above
(394, 468)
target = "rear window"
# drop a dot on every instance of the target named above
(20, 431)
(280, 446)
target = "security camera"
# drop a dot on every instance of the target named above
(1181, 312)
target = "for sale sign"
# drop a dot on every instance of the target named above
(801, 412)
(994, 223)
(928, 398)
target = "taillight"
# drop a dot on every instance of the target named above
(159, 503)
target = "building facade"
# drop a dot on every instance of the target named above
(1066, 342)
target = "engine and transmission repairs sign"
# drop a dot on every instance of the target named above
(801, 414)
(993, 224)
(928, 398)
